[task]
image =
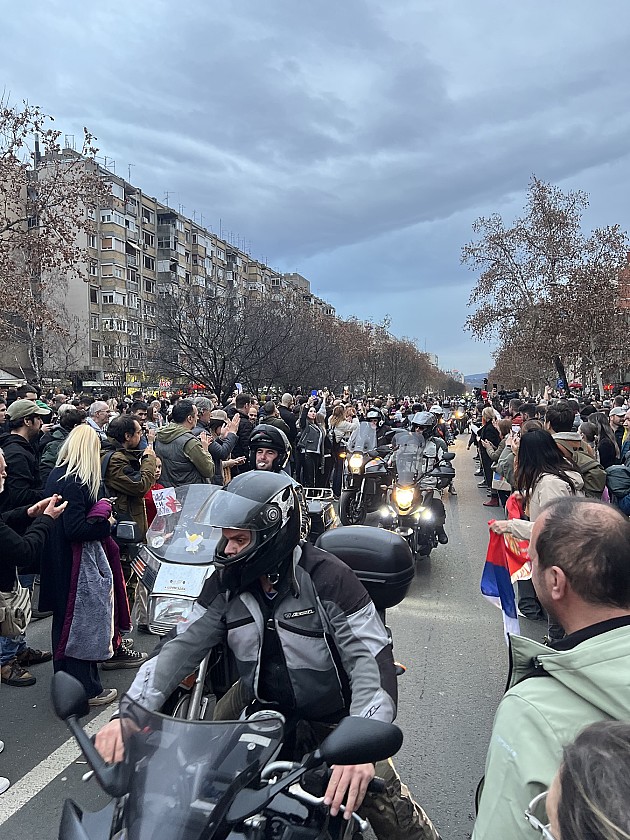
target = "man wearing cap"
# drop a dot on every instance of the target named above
(223, 433)
(617, 416)
(23, 485)
(22, 488)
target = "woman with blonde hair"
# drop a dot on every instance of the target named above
(77, 579)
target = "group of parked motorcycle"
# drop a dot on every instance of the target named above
(398, 481)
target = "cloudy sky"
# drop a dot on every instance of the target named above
(353, 141)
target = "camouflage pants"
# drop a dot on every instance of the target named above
(393, 814)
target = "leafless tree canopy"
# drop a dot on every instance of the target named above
(544, 288)
(43, 201)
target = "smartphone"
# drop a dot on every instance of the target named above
(516, 431)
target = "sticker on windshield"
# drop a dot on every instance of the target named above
(165, 501)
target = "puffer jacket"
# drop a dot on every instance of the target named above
(338, 657)
(553, 695)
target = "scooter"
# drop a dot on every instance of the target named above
(197, 781)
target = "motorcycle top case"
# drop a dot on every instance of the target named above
(381, 560)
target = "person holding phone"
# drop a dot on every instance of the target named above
(489, 438)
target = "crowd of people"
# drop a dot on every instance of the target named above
(72, 467)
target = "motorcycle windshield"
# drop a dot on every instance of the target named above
(180, 532)
(409, 462)
(184, 774)
(362, 439)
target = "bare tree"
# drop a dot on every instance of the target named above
(543, 280)
(44, 194)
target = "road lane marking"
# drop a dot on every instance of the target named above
(43, 773)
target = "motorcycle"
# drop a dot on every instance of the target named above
(365, 476)
(410, 509)
(173, 567)
(188, 781)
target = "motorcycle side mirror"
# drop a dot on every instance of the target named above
(68, 697)
(70, 703)
(359, 741)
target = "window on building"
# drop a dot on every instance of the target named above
(147, 215)
(148, 239)
(107, 350)
(118, 190)
(91, 240)
(149, 285)
(149, 262)
(90, 213)
(95, 349)
(93, 295)
(94, 322)
(106, 216)
(107, 270)
(94, 268)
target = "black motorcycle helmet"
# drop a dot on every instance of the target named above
(266, 436)
(267, 504)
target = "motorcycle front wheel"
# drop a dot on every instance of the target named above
(350, 512)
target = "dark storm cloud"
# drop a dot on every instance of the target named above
(354, 141)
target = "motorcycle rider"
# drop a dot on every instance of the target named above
(442, 428)
(375, 417)
(423, 424)
(269, 448)
(305, 635)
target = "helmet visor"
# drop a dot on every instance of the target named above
(227, 510)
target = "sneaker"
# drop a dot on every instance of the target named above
(494, 502)
(482, 484)
(108, 695)
(478, 472)
(127, 643)
(441, 535)
(14, 674)
(37, 615)
(30, 656)
(124, 658)
(4, 784)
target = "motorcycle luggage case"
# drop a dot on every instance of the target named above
(381, 560)
(321, 512)
(444, 474)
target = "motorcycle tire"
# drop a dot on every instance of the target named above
(348, 511)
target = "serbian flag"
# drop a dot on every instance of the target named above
(507, 561)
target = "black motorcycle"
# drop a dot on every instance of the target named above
(183, 780)
(410, 510)
(365, 476)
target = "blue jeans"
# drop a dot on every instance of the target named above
(10, 647)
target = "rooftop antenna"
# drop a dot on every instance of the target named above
(167, 195)
(69, 141)
(129, 167)
(181, 208)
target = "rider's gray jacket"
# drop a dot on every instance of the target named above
(337, 653)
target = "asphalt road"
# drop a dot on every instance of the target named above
(449, 638)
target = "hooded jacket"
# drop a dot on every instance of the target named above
(23, 484)
(184, 460)
(128, 476)
(552, 695)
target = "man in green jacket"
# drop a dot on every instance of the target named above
(185, 456)
(580, 552)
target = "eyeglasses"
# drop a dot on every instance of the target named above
(538, 803)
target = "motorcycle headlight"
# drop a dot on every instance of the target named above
(169, 611)
(404, 496)
(356, 462)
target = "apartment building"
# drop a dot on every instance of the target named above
(137, 250)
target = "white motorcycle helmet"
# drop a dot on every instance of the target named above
(423, 421)
(437, 410)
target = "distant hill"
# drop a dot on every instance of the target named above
(475, 380)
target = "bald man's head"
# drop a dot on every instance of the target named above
(590, 542)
